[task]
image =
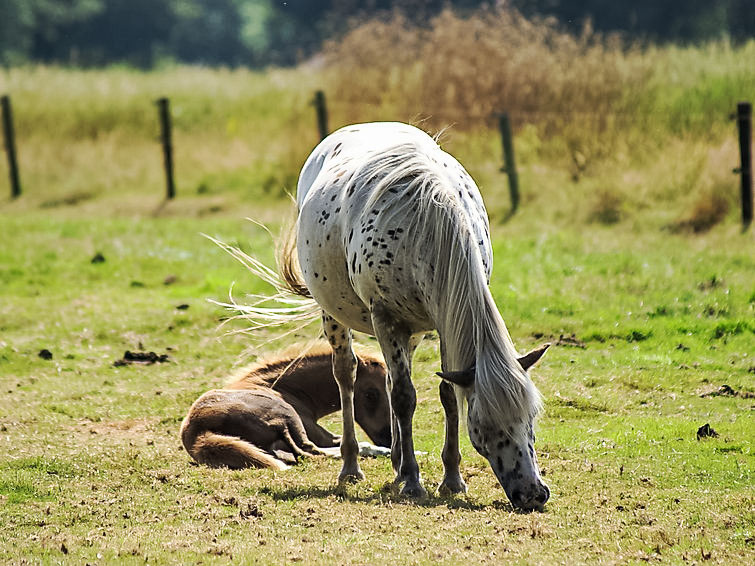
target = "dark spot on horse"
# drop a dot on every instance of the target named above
(499, 462)
(337, 210)
(333, 197)
(334, 327)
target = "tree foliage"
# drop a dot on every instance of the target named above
(264, 32)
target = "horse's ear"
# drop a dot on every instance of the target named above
(530, 358)
(465, 378)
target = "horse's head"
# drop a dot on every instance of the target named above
(372, 408)
(507, 445)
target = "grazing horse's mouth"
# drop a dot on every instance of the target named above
(531, 500)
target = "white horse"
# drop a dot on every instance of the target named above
(393, 240)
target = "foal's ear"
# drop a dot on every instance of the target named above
(530, 358)
(465, 378)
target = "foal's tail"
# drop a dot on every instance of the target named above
(291, 302)
(222, 451)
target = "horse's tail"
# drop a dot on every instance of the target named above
(223, 451)
(288, 265)
(291, 302)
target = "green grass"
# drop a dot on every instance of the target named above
(644, 325)
(647, 318)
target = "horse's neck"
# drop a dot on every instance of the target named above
(309, 385)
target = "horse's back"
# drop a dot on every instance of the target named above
(348, 147)
(365, 195)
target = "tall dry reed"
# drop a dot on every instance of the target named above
(465, 70)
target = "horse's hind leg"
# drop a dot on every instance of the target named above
(344, 370)
(397, 345)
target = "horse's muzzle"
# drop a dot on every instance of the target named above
(532, 499)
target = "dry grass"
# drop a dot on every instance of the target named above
(604, 131)
(465, 70)
(710, 209)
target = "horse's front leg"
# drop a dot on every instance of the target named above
(452, 480)
(395, 344)
(344, 371)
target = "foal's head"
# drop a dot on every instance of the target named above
(372, 408)
(507, 445)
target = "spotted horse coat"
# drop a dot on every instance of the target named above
(393, 240)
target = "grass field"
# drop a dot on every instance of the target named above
(646, 327)
(626, 254)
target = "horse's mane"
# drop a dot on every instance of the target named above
(455, 279)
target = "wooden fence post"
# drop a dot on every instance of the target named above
(744, 125)
(509, 166)
(10, 147)
(322, 113)
(163, 105)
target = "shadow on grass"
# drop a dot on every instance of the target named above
(387, 494)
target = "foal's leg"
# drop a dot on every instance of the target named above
(322, 437)
(452, 480)
(345, 371)
(395, 344)
(295, 436)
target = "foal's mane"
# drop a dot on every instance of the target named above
(267, 370)
(451, 275)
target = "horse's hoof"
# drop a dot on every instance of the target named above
(413, 490)
(351, 476)
(449, 487)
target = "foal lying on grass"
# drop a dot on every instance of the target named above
(266, 417)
